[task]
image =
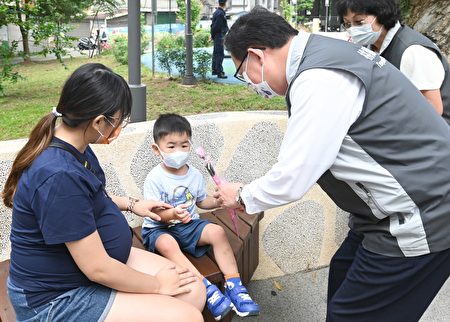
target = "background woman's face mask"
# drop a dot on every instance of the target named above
(364, 35)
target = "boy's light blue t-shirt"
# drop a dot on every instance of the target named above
(175, 190)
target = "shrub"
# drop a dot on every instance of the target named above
(170, 41)
(179, 60)
(120, 45)
(120, 49)
(202, 39)
(7, 73)
(171, 53)
(202, 60)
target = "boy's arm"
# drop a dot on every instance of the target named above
(208, 203)
(166, 214)
(152, 191)
(178, 213)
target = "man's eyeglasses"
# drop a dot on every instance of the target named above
(237, 75)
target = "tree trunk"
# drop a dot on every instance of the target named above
(432, 18)
(23, 30)
(26, 45)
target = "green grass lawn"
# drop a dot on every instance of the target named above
(29, 99)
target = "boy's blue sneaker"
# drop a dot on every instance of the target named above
(243, 304)
(218, 304)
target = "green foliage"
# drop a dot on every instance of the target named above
(196, 7)
(202, 38)
(287, 10)
(7, 72)
(110, 7)
(202, 60)
(120, 49)
(46, 20)
(119, 45)
(17, 13)
(145, 38)
(165, 58)
(179, 60)
(170, 41)
(171, 52)
(57, 36)
(301, 6)
(405, 7)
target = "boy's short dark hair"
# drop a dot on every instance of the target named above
(169, 123)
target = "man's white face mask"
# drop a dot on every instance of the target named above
(262, 88)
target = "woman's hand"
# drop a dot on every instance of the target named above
(144, 208)
(173, 281)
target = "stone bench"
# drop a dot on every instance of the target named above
(296, 241)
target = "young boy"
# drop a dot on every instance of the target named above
(181, 229)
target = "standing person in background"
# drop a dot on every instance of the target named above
(103, 36)
(71, 247)
(375, 23)
(219, 28)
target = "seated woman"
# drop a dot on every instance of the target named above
(71, 253)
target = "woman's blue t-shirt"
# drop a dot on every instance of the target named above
(58, 200)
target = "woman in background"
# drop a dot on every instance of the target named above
(376, 24)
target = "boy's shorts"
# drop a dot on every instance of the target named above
(187, 236)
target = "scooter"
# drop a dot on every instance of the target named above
(87, 43)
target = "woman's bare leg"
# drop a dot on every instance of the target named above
(151, 307)
(155, 307)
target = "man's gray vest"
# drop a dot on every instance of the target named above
(392, 170)
(406, 37)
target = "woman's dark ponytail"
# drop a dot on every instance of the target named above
(40, 138)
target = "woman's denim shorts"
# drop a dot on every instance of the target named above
(87, 303)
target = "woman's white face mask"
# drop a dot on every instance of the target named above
(364, 35)
(262, 88)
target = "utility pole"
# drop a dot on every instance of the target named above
(170, 16)
(189, 78)
(138, 90)
(154, 15)
(327, 5)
